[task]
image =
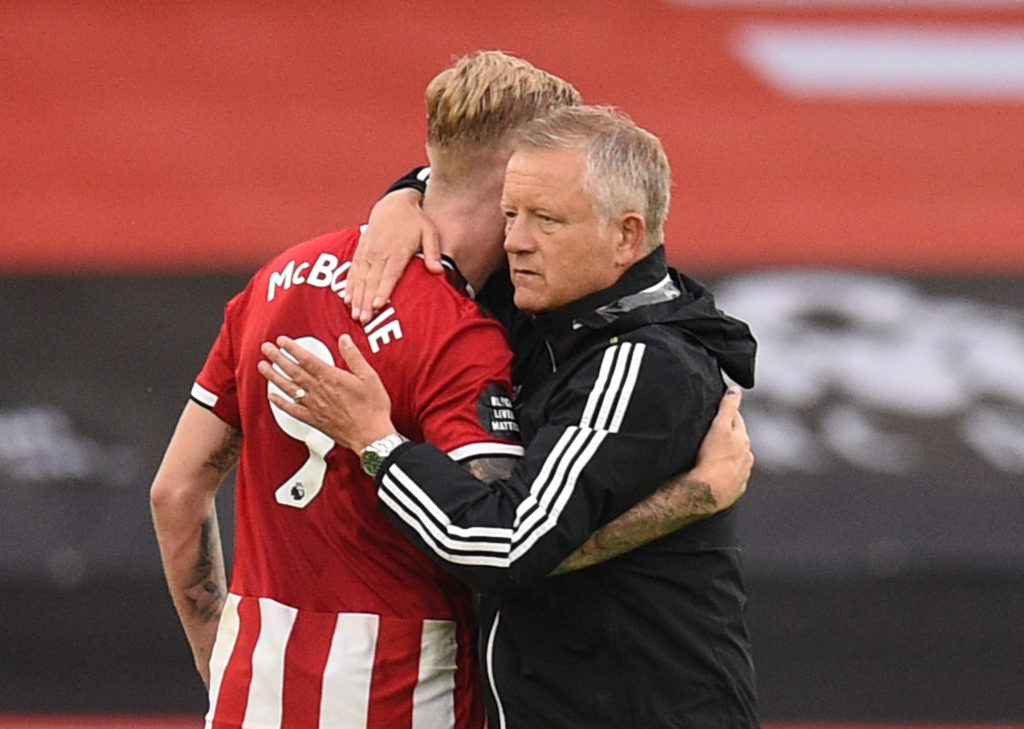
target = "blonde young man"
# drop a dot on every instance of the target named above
(655, 637)
(333, 619)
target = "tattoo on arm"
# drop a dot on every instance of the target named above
(207, 592)
(491, 469)
(676, 504)
(225, 457)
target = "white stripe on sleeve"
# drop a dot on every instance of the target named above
(482, 450)
(204, 396)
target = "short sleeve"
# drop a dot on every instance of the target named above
(463, 395)
(215, 387)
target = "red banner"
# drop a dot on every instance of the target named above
(194, 137)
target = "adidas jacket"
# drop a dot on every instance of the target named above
(656, 637)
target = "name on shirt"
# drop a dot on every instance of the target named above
(327, 272)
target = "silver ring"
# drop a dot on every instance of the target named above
(299, 394)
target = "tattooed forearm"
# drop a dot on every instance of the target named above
(673, 506)
(207, 591)
(225, 457)
(490, 470)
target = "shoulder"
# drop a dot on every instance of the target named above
(669, 345)
(677, 374)
(656, 360)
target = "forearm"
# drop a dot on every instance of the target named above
(201, 452)
(466, 520)
(718, 479)
(193, 560)
(677, 503)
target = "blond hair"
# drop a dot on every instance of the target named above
(626, 168)
(473, 106)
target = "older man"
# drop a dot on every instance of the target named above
(657, 636)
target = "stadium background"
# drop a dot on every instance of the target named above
(848, 175)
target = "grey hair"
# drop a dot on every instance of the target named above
(626, 171)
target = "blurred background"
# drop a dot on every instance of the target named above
(848, 176)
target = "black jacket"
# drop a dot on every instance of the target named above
(656, 637)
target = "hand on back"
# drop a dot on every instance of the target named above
(396, 231)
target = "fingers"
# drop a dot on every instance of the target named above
(363, 279)
(282, 382)
(380, 286)
(292, 369)
(356, 274)
(284, 367)
(302, 356)
(384, 284)
(729, 407)
(358, 285)
(431, 243)
(354, 291)
(397, 228)
(737, 424)
(288, 403)
(289, 406)
(365, 306)
(350, 353)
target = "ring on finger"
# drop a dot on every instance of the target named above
(299, 394)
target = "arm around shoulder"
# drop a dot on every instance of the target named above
(716, 482)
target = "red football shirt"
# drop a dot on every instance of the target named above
(325, 592)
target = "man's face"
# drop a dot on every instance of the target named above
(559, 249)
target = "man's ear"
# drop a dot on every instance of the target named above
(631, 245)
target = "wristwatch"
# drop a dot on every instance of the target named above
(377, 452)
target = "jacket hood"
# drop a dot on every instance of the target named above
(651, 293)
(727, 337)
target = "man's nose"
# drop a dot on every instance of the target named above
(516, 238)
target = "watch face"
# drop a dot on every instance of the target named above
(374, 455)
(371, 462)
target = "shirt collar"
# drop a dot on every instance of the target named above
(454, 276)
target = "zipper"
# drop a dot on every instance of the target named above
(551, 355)
(490, 670)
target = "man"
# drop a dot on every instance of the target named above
(333, 618)
(655, 637)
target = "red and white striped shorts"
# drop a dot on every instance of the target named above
(276, 667)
